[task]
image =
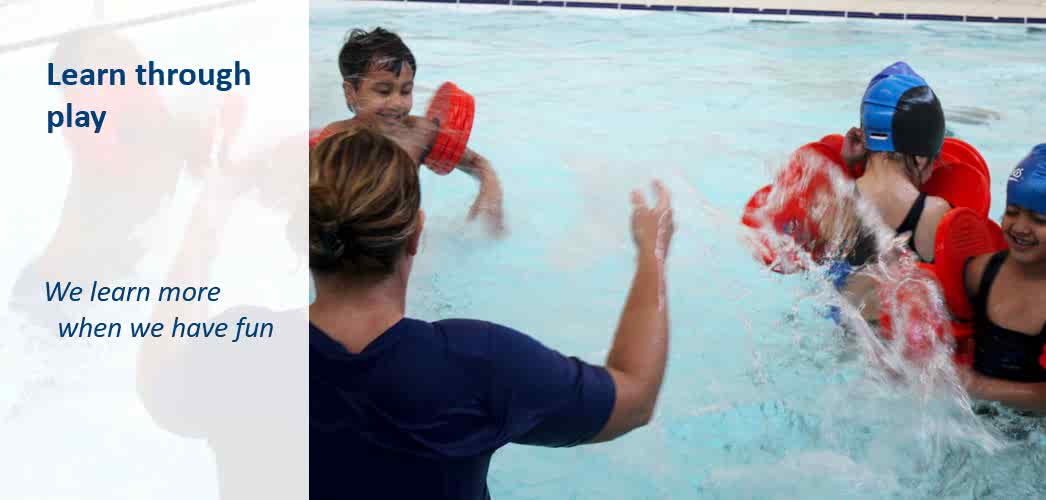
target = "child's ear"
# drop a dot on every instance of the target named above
(350, 94)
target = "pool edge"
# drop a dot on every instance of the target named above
(1034, 16)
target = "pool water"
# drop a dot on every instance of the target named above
(764, 397)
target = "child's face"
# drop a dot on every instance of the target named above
(380, 92)
(1025, 233)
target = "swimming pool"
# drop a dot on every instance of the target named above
(764, 398)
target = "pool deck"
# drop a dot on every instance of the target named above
(998, 11)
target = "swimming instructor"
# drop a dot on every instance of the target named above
(403, 408)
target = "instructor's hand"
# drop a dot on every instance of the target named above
(652, 228)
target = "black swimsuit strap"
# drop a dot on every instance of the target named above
(980, 302)
(911, 219)
(991, 271)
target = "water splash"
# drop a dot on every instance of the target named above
(911, 369)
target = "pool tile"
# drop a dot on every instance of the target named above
(593, 5)
(824, 13)
(639, 6)
(1001, 20)
(534, 3)
(873, 15)
(694, 8)
(746, 10)
(934, 17)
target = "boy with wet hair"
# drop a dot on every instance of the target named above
(383, 47)
(378, 70)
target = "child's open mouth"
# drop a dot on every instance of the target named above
(1018, 242)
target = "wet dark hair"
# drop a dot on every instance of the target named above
(377, 49)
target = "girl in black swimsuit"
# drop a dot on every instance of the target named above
(1008, 294)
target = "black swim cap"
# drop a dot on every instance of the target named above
(901, 113)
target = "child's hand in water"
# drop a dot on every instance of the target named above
(854, 147)
(489, 201)
(652, 228)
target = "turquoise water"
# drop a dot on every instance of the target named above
(764, 398)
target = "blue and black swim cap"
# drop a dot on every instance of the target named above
(1027, 185)
(899, 112)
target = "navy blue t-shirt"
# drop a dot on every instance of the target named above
(420, 411)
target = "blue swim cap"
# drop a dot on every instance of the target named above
(1027, 185)
(899, 112)
(899, 68)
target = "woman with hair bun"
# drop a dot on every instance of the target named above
(402, 408)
